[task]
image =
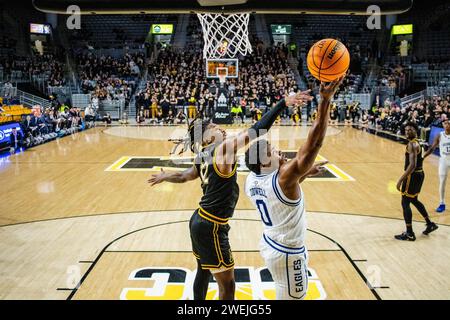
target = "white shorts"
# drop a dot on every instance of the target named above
(444, 165)
(288, 267)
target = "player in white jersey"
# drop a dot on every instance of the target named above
(443, 141)
(274, 188)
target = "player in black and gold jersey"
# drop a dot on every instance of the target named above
(215, 164)
(410, 184)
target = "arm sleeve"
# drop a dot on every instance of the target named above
(269, 118)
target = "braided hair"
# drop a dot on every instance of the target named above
(193, 139)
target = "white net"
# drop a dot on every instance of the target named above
(225, 36)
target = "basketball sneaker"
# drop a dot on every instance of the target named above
(441, 208)
(405, 236)
(430, 228)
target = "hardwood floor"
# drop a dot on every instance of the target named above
(63, 212)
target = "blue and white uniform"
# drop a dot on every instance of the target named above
(283, 242)
(444, 166)
(444, 149)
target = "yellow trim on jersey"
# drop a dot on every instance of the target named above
(225, 176)
(212, 218)
(209, 219)
(196, 255)
(211, 266)
(216, 243)
(218, 251)
(219, 267)
(406, 194)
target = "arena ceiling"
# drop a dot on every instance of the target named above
(358, 7)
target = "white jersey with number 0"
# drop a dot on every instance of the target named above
(282, 244)
(284, 219)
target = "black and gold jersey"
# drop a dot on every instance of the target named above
(419, 160)
(220, 192)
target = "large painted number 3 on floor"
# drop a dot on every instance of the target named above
(262, 208)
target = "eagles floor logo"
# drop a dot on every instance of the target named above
(176, 284)
(151, 164)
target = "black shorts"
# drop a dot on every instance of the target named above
(413, 184)
(210, 243)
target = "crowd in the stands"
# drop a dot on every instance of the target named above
(426, 113)
(48, 67)
(178, 88)
(110, 79)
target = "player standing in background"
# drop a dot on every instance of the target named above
(216, 164)
(274, 188)
(410, 184)
(443, 141)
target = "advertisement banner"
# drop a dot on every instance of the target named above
(5, 131)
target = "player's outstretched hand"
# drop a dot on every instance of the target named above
(317, 169)
(327, 91)
(157, 178)
(299, 99)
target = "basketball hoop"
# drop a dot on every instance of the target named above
(225, 35)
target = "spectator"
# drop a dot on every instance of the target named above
(181, 116)
(8, 89)
(158, 118)
(107, 119)
(296, 116)
(364, 120)
(141, 116)
(89, 114)
(236, 112)
(124, 119)
(170, 119)
(15, 140)
(334, 114)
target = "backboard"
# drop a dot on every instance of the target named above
(214, 67)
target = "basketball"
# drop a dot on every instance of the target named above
(328, 60)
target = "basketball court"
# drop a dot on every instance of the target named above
(79, 220)
(71, 231)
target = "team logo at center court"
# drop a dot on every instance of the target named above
(152, 164)
(173, 283)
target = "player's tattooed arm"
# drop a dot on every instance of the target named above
(433, 146)
(174, 177)
(297, 169)
(413, 151)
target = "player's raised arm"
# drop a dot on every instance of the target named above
(174, 177)
(297, 169)
(433, 147)
(226, 152)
